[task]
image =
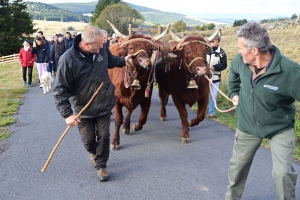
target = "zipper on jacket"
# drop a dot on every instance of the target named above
(253, 111)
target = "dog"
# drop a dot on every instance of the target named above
(46, 81)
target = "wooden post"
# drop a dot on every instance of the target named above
(129, 30)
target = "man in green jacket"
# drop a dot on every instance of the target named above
(264, 85)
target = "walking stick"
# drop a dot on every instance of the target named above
(67, 129)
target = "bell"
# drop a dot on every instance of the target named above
(135, 85)
(192, 84)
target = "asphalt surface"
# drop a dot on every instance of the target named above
(151, 164)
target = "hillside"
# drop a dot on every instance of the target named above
(42, 11)
(151, 16)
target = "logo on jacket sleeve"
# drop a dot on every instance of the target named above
(271, 87)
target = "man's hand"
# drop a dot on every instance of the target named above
(72, 121)
(235, 100)
(128, 58)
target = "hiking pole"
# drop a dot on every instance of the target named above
(67, 129)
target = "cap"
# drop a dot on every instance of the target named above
(27, 41)
(50, 37)
(60, 35)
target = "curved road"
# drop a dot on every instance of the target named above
(152, 164)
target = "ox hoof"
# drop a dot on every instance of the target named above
(163, 118)
(115, 147)
(126, 131)
(135, 130)
(185, 140)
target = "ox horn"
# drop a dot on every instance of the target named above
(214, 34)
(177, 39)
(156, 38)
(124, 37)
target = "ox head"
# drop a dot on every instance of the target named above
(140, 48)
(191, 53)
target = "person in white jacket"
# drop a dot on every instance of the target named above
(217, 60)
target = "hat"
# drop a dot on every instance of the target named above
(60, 35)
(26, 41)
(50, 37)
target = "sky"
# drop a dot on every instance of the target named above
(217, 9)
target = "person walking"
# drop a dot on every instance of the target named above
(68, 40)
(264, 85)
(42, 50)
(26, 59)
(51, 66)
(80, 72)
(217, 60)
(59, 47)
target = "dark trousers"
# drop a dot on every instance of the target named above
(95, 137)
(24, 71)
(51, 66)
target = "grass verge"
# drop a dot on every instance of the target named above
(11, 95)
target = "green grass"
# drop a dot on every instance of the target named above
(11, 95)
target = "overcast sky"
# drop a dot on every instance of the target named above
(252, 9)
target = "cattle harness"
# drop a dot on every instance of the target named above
(129, 76)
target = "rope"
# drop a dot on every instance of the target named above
(211, 83)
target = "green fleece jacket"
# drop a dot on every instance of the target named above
(266, 104)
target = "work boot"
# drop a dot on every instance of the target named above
(93, 159)
(103, 174)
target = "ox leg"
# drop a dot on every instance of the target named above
(163, 102)
(145, 107)
(126, 126)
(185, 137)
(118, 117)
(202, 105)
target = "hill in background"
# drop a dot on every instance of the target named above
(151, 16)
(42, 11)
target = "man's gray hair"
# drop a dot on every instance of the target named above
(255, 36)
(104, 32)
(91, 33)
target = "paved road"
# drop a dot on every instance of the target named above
(152, 163)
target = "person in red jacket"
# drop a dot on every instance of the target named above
(27, 60)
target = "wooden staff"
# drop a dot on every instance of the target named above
(67, 129)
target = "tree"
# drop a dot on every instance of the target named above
(101, 5)
(197, 28)
(121, 16)
(16, 26)
(179, 26)
(239, 22)
(211, 26)
(294, 16)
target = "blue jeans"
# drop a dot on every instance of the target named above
(51, 66)
(211, 109)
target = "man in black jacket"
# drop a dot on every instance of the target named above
(59, 47)
(80, 72)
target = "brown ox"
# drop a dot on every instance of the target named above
(190, 64)
(139, 73)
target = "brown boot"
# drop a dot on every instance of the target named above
(103, 174)
(93, 159)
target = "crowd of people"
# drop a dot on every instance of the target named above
(257, 84)
(45, 53)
